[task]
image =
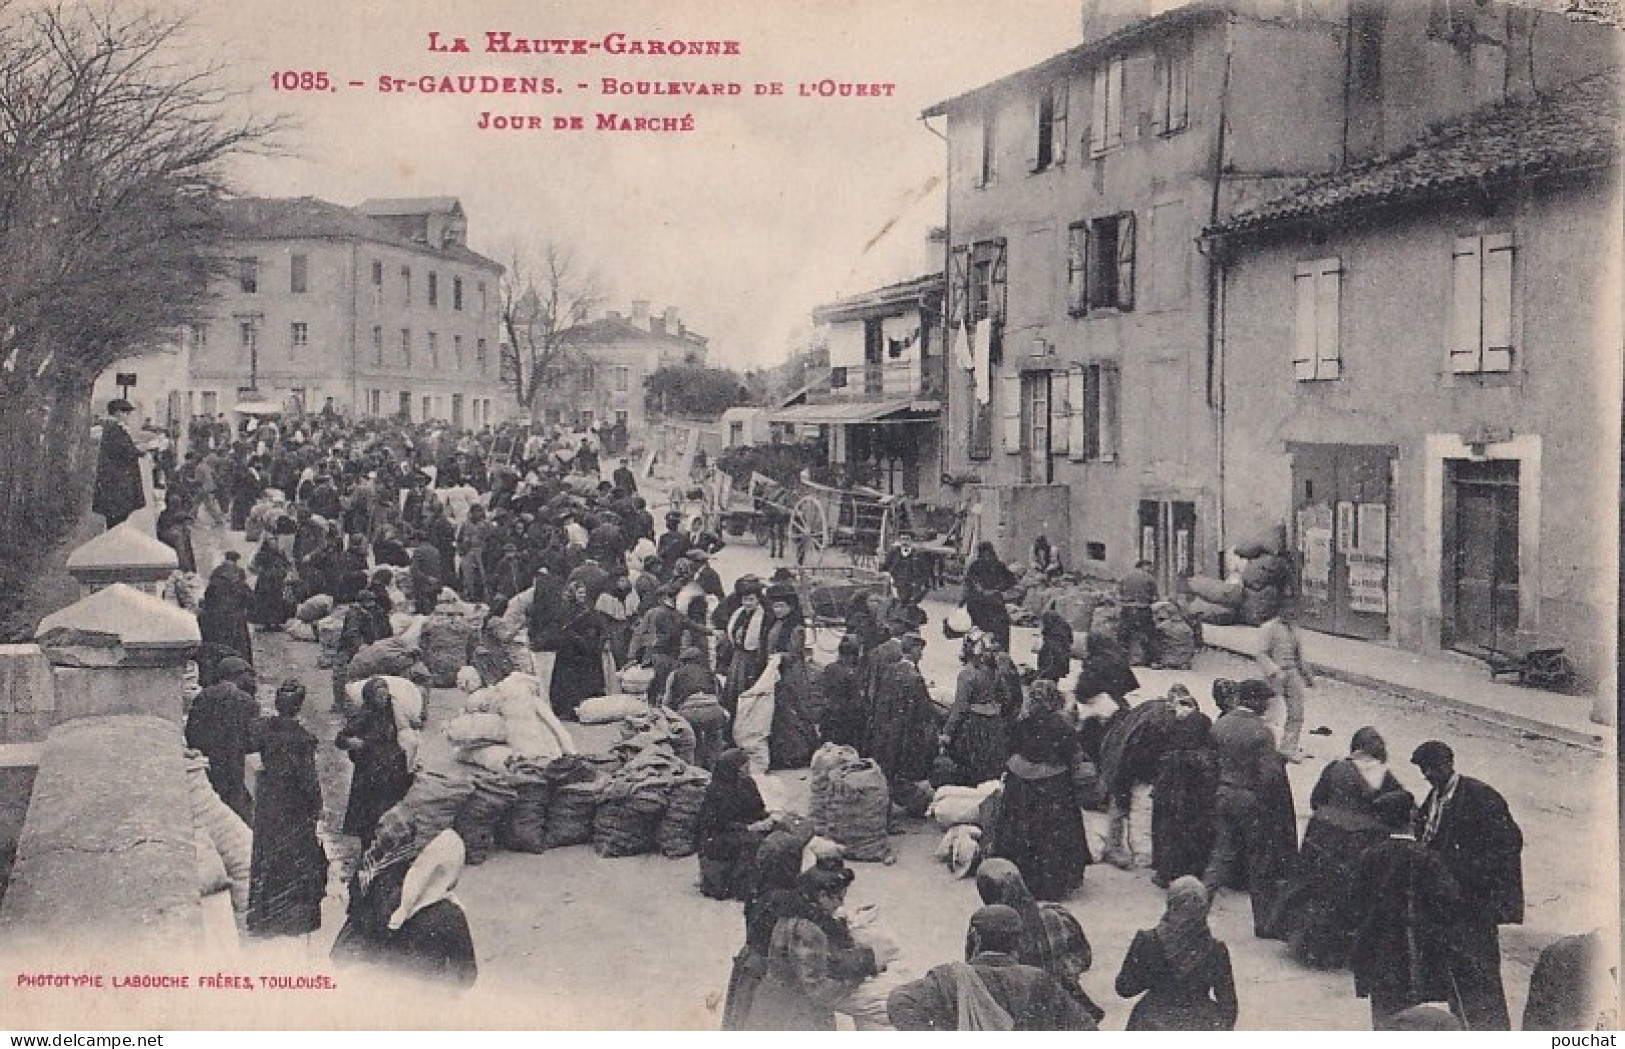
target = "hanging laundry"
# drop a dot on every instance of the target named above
(980, 349)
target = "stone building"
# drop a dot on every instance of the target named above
(603, 364)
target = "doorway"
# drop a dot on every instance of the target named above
(1167, 539)
(1481, 554)
(1036, 467)
(1341, 503)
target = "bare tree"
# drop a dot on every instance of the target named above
(111, 158)
(544, 294)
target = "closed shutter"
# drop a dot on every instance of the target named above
(1091, 411)
(1010, 408)
(1098, 110)
(1466, 301)
(1125, 261)
(1077, 269)
(1303, 322)
(1109, 387)
(1060, 414)
(1114, 104)
(1497, 303)
(1328, 313)
(978, 158)
(1074, 408)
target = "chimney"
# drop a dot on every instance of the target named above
(671, 326)
(640, 313)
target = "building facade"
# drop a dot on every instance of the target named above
(1421, 375)
(1082, 321)
(603, 364)
(376, 310)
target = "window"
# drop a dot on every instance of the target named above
(428, 409)
(1091, 412)
(736, 434)
(211, 402)
(837, 378)
(622, 416)
(457, 293)
(1106, 130)
(377, 350)
(1316, 290)
(481, 288)
(377, 274)
(299, 274)
(623, 378)
(1170, 101)
(987, 170)
(405, 405)
(248, 334)
(434, 351)
(434, 289)
(298, 395)
(248, 275)
(981, 293)
(375, 401)
(1049, 138)
(1481, 310)
(299, 334)
(406, 284)
(1100, 264)
(406, 347)
(200, 338)
(480, 355)
(457, 351)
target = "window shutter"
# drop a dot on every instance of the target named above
(1114, 101)
(1040, 129)
(1465, 344)
(978, 162)
(1062, 92)
(1074, 412)
(1010, 408)
(1077, 269)
(1060, 413)
(1091, 411)
(1109, 386)
(1179, 85)
(1497, 303)
(997, 300)
(958, 285)
(1328, 295)
(1125, 261)
(1161, 76)
(1303, 322)
(1098, 103)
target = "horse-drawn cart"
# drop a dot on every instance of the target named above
(858, 520)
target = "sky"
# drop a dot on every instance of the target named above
(760, 213)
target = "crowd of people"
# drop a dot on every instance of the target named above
(579, 586)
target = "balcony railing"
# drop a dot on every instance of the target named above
(885, 381)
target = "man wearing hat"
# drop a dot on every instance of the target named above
(1467, 823)
(910, 570)
(222, 725)
(118, 491)
(1247, 759)
(990, 991)
(673, 542)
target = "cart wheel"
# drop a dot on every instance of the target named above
(763, 529)
(809, 530)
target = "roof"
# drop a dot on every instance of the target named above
(868, 303)
(609, 331)
(842, 412)
(307, 218)
(1146, 28)
(396, 206)
(1574, 128)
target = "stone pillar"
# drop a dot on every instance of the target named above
(124, 554)
(119, 651)
(27, 695)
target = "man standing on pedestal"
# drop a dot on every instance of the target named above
(118, 491)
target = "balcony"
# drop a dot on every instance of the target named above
(892, 380)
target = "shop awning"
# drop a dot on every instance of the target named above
(841, 413)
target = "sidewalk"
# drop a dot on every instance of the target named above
(1437, 680)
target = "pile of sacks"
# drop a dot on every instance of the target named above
(963, 813)
(1255, 594)
(851, 803)
(445, 637)
(1075, 600)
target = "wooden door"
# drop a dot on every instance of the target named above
(1483, 552)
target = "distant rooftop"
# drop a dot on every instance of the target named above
(393, 206)
(300, 218)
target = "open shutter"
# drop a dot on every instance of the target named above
(1010, 409)
(1040, 128)
(1077, 269)
(1497, 303)
(1109, 386)
(1117, 74)
(1074, 412)
(1161, 72)
(1467, 301)
(1179, 84)
(1303, 322)
(1062, 92)
(998, 299)
(1125, 261)
(1097, 110)
(977, 158)
(1060, 414)
(1091, 411)
(1328, 296)
(958, 285)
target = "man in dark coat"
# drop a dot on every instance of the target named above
(1248, 768)
(992, 991)
(223, 725)
(902, 725)
(118, 491)
(1466, 821)
(625, 480)
(911, 571)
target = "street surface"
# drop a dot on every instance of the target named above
(569, 940)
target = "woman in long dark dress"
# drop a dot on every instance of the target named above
(975, 737)
(381, 776)
(288, 872)
(1183, 795)
(1055, 647)
(1345, 823)
(272, 566)
(222, 617)
(727, 841)
(1181, 969)
(1051, 938)
(174, 530)
(578, 672)
(402, 916)
(986, 580)
(1040, 827)
(794, 734)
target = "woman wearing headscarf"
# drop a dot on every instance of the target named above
(174, 529)
(272, 567)
(578, 671)
(1345, 823)
(796, 989)
(730, 827)
(1183, 972)
(222, 616)
(1183, 795)
(381, 777)
(288, 869)
(1040, 827)
(975, 737)
(403, 916)
(986, 580)
(794, 736)
(1051, 938)
(1055, 646)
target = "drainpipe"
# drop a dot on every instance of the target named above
(355, 320)
(1215, 285)
(945, 426)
